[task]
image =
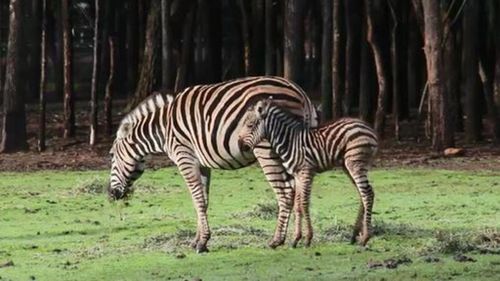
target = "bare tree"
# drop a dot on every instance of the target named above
(187, 45)
(497, 65)
(337, 62)
(233, 47)
(326, 61)
(353, 23)
(43, 78)
(375, 44)
(132, 40)
(167, 72)
(14, 119)
(147, 75)
(110, 88)
(294, 39)
(95, 77)
(257, 47)
(435, 72)
(69, 103)
(366, 79)
(270, 31)
(470, 71)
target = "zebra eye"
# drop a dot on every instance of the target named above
(249, 125)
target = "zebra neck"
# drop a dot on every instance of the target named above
(151, 132)
(288, 137)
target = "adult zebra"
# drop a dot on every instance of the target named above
(198, 130)
(348, 142)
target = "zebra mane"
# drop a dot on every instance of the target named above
(149, 105)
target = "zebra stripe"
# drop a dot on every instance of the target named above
(198, 130)
(348, 142)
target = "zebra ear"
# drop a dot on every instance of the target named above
(170, 98)
(123, 131)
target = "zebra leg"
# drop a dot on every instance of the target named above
(358, 174)
(193, 177)
(283, 187)
(303, 184)
(205, 180)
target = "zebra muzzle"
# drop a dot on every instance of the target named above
(243, 146)
(115, 193)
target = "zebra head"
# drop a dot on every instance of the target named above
(253, 130)
(126, 164)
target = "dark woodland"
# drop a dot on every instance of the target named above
(419, 71)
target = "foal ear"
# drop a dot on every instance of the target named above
(262, 107)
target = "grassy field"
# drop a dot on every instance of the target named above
(428, 223)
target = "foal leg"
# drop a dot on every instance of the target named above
(303, 180)
(358, 174)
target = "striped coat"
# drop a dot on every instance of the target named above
(304, 151)
(198, 130)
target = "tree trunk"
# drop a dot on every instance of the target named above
(108, 122)
(398, 65)
(294, 40)
(435, 72)
(366, 79)
(69, 104)
(380, 68)
(166, 46)
(393, 7)
(132, 45)
(352, 51)
(419, 15)
(215, 40)
(108, 9)
(43, 78)
(257, 47)
(187, 48)
(32, 26)
(95, 78)
(451, 67)
(58, 50)
(337, 61)
(3, 39)
(270, 31)
(414, 63)
(147, 75)
(326, 61)
(490, 102)
(497, 67)
(14, 118)
(233, 60)
(245, 34)
(470, 71)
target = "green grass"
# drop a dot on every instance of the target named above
(58, 226)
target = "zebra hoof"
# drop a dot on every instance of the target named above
(201, 249)
(275, 243)
(307, 243)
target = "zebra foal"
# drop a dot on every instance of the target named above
(304, 151)
(198, 130)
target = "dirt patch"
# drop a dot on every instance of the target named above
(7, 264)
(263, 210)
(463, 258)
(391, 263)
